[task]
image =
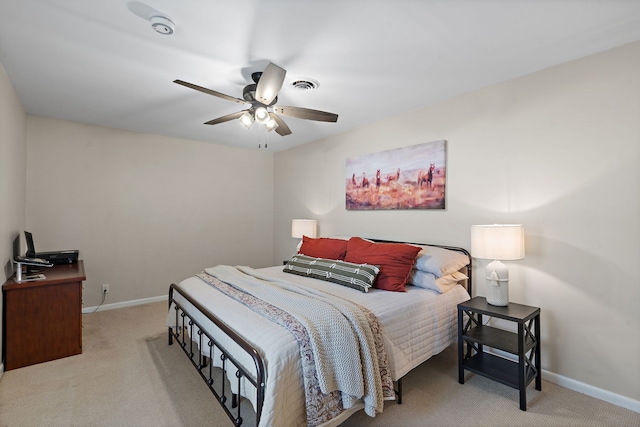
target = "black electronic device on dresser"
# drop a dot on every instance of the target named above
(525, 344)
(54, 257)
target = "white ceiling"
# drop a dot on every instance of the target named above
(99, 61)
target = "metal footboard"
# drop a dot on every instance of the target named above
(206, 348)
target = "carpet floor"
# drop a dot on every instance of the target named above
(128, 375)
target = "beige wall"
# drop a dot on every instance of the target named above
(13, 166)
(558, 151)
(145, 210)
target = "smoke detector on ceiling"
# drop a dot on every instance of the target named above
(305, 84)
(163, 25)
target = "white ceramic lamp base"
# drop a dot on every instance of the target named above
(497, 275)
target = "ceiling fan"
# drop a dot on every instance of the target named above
(262, 96)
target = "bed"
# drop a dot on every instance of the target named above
(282, 345)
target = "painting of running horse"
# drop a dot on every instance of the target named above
(411, 177)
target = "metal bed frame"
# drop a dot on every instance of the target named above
(208, 348)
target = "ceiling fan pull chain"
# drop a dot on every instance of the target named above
(266, 136)
(260, 133)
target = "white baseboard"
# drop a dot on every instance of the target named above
(1, 369)
(589, 390)
(580, 387)
(88, 310)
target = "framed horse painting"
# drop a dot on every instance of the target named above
(411, 177)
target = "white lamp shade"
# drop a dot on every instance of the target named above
(303, 227)
(503, 242)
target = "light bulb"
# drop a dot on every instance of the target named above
(262, 115)
(270, 124)
(246, 119)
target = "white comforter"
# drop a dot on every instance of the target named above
(416, 325)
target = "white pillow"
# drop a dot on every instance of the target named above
(440, 285)
(439, 261)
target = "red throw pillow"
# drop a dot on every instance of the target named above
(324, 247)
(395, 260)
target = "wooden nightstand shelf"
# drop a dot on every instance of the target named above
(525, 344)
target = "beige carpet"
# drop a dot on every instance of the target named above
(129, 376)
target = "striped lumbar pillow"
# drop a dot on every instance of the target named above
(357, 276)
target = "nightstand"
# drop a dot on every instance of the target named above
(525, 344)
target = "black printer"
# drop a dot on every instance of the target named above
(59, 257)
(55, 257)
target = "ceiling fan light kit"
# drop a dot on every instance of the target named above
(262, 96)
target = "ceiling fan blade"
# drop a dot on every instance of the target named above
(226, 118)
(282, 129)
(211, 92)
(270, 83)
(305, 113)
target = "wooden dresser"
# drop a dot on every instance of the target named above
(43, 319)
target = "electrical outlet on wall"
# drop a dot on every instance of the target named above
(105, 289)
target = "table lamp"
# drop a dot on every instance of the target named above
(303, 227)
(498, 242)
